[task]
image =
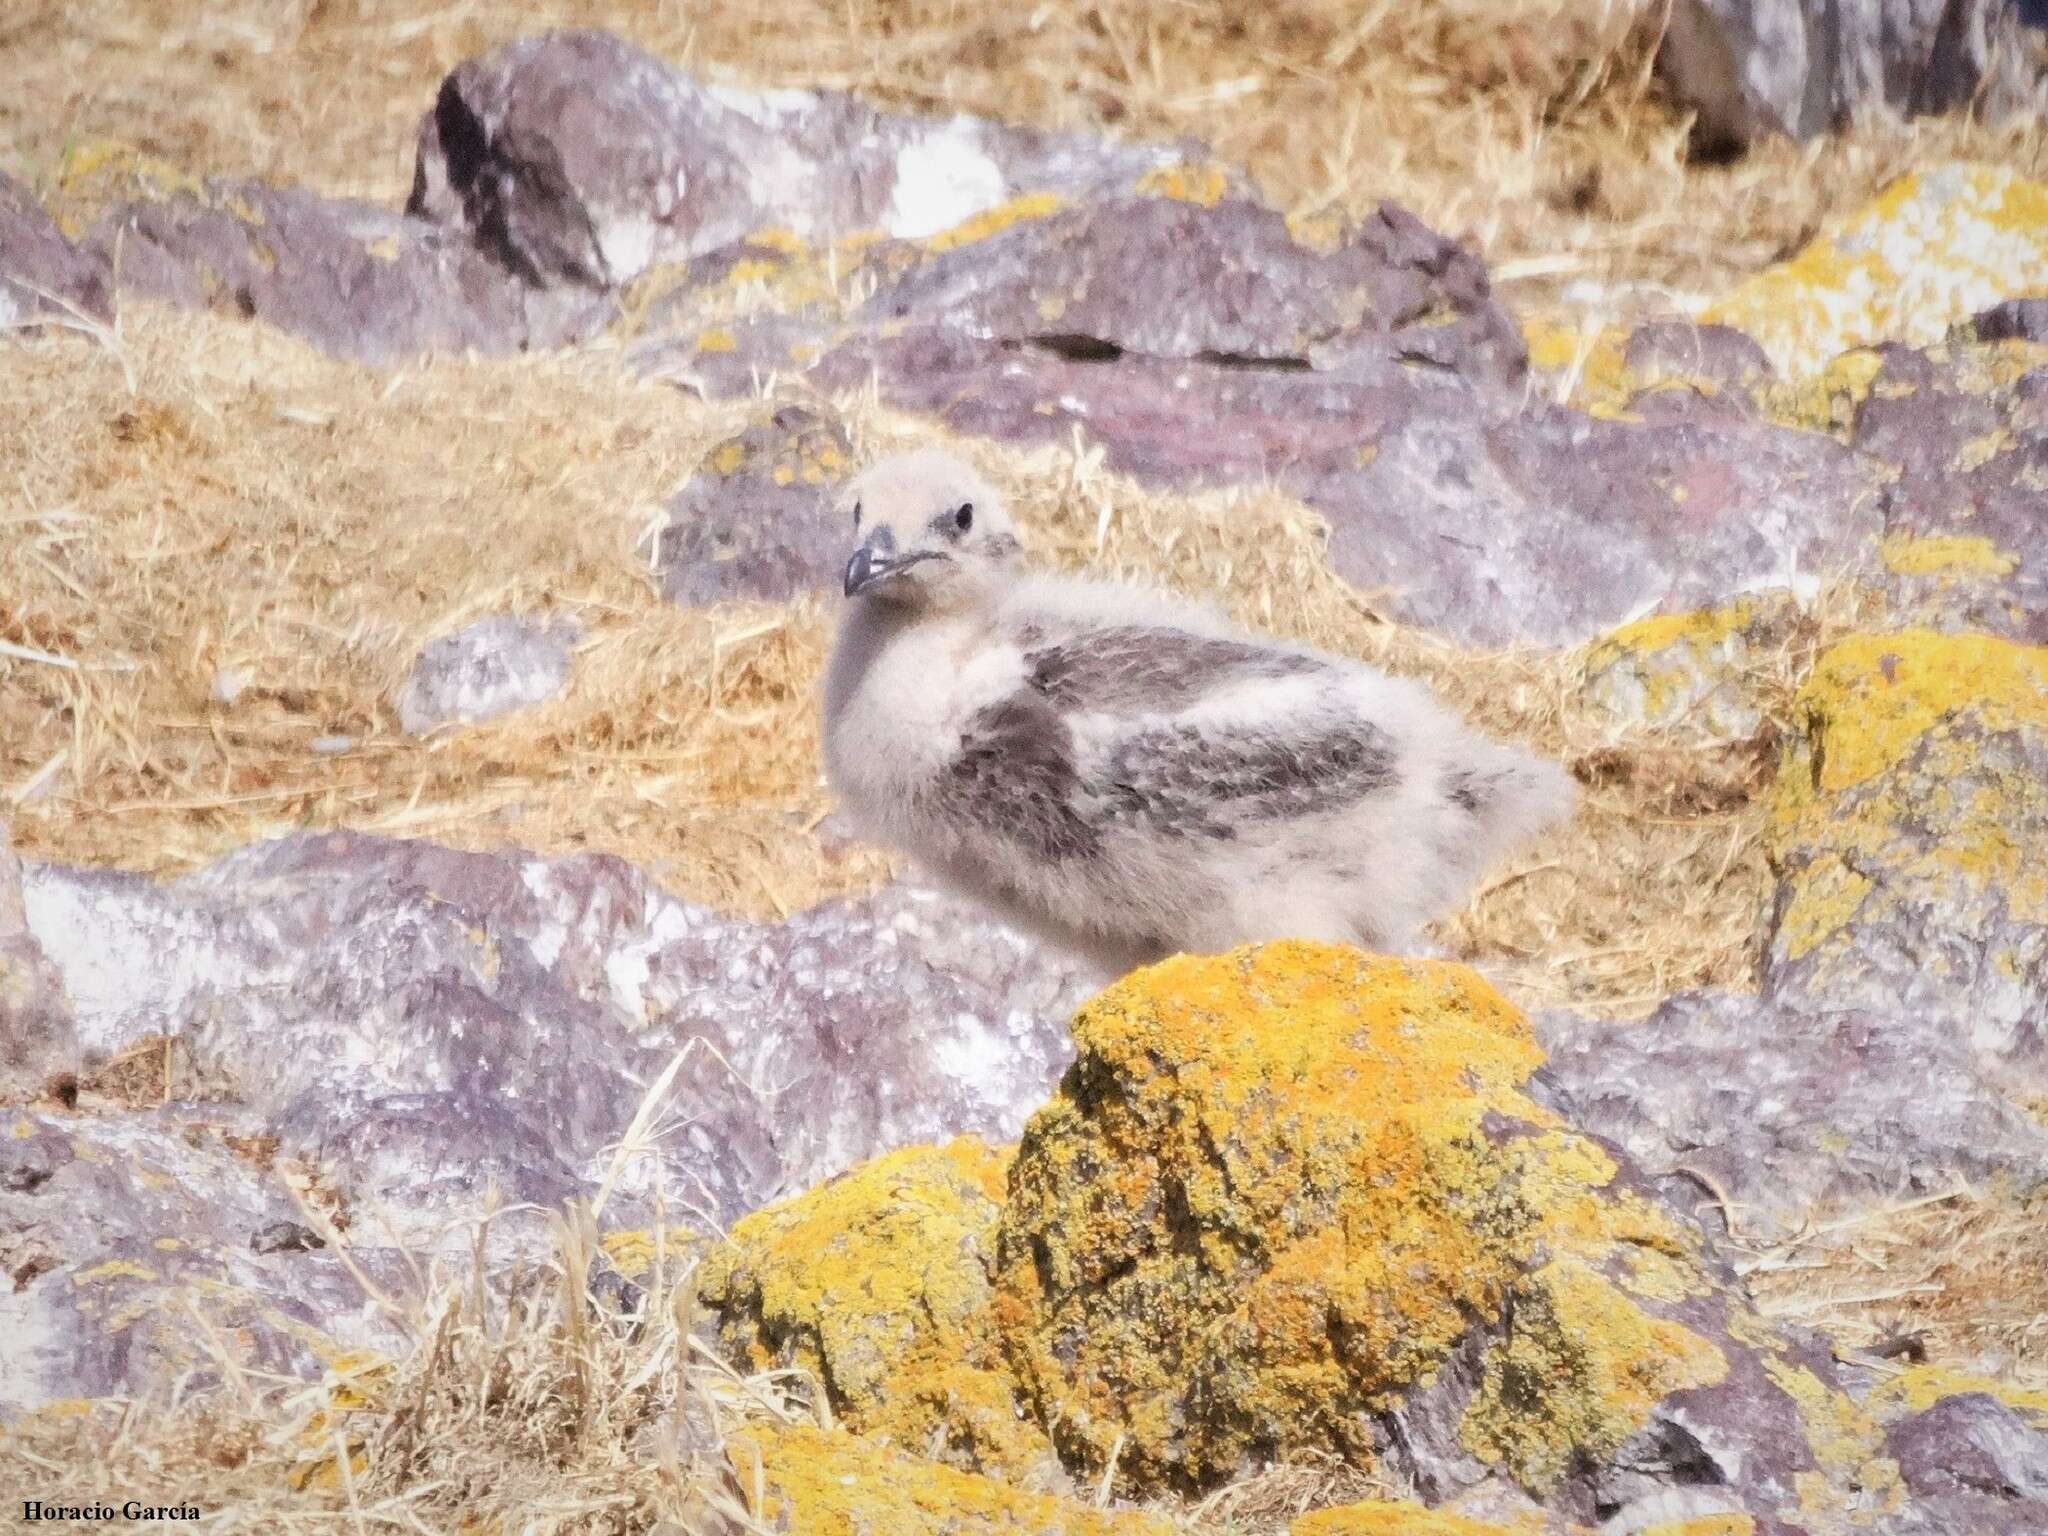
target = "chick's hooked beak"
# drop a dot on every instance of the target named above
(876, 560)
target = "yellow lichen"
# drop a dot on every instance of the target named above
(1943, 554)
(1596, 1363)
(1033, 205)
(1704, 1525)
(1935, 246)
(829, 1483)
(1845, 1440)
(1920, 1387)
(114, 1269)
(1203, 185)
(715, 341)
(1377, 1517)
(877, 1283)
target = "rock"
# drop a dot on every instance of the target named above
(352, 279)
(1712, 358)
(1296, 1199)
(575, 158)
(757, 519)
(1904, 830)
(132, 1263)
(829, 1481)
(491, 667)
(1933, 248)
(1962, 438)
(399, 1016)
(1692, 673)
(1783, 1110)
(1972, 1443)
(37, 1040)
(1454, 509)
(877, 1283)
(1222, 280)
(42, 274)
(2014, 320)
(1749, 68)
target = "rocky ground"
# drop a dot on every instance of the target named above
(454, 1071)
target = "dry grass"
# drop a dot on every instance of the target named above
(1530, 126)
(1961, 1278)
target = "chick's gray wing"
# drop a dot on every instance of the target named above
(1022, 778)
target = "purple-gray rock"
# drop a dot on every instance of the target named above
(576, 158)
(1971, 1442)
(1784, 1111)
(133, 1268)
(1457, 508)
(756, 520)
(416, 1020)
(42, 274)
(1719, 356)
(1226, 282)
(1804, 67)
(485, 669)
(1965, 515)
(355, 280)
(2023, 319)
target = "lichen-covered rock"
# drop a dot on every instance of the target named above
(1750, 68)
(353, 279)
(576, 158)
(877, 1283)
(1905, 830)
(1689, 672)
(1961, 435)
(1974, 1453)
(1935, 246)
(1714, 359)
(1783, 1110)
(492, 667)
(37, 1040)
(756, 520)
(829, 1483)
(42, 274)
(1296, 1197)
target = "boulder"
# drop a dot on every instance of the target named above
(492, 667)
(1691, 674)
(877, 1283)
(821, 1480)
(399, 1016)
(1905, 828)
(757, 519)
(1764, 1111)
(577, 159)
(2022, 319)
(352, 279)
(1749, 68)
(42, 274)
(1298, 1199)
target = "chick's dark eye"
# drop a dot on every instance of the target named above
(963, 517)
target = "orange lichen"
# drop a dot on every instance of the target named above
(1202, 185)
(1377, 1517)
(828, 1483)
(1033, 205)
(1920, 1387)
(1297, 1175)
(1946, 554)
(877, 1284)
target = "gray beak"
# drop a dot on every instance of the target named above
(874, 561)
